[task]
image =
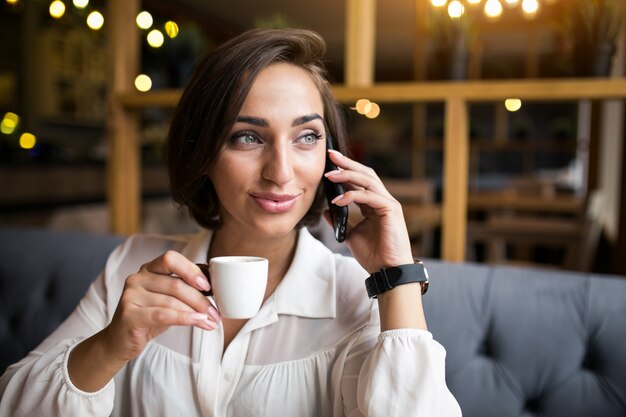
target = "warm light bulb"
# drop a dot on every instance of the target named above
(373, 111)
(95, 20)
(155, 38)
(513, 104)
(80, 4)
(143, 83)
(144, 20)
(171, 28)
(360, 105)
(9, 123)
(511, 2)
(438, 3)
(493, 8)
(473, 2)
(28, 141)
(57, 9)
(455, 9)
(530, 6)
(12, 1)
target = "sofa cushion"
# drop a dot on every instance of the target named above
(529, 341)
(43, 276)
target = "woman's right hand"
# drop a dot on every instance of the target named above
(165, 292)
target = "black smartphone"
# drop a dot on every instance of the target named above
(339, 215)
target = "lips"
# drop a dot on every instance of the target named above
(275, 203)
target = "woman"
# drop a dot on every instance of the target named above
(246, 154)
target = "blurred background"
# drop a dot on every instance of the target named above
(87, 90)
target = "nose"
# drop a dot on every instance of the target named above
(278, 164)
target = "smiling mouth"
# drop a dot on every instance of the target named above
(275, 203)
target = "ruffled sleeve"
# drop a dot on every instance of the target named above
(40, 386)
(404, 375)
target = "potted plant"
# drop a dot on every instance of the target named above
(593, 27)
(451, 40)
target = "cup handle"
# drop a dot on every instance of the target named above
(205, 270)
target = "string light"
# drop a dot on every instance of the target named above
(438, 3)
(57, 9)
(530, 6)
(143, 83)
(455, 9)
(171, 28)
(9, 123)
(493, 9)
(80, 4)
(155, 38)
(27, 140)
(95, 20)
(513, 104)
(144, 20)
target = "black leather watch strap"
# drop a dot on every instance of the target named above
(391, 277)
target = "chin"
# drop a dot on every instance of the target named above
(276, 228)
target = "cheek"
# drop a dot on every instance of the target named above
(311, 168)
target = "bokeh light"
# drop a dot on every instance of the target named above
(155, 38)
(28, 141)
(143, 83)
(80, 4)
(57, 9)
(95, 20)
(144, 20)
(373, 111)
(513, 104)
(171, 28)
(456, 9)
(9, 123)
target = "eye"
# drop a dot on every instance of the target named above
(309, 138)
(245, 138)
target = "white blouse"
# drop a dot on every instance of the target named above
(314, 349)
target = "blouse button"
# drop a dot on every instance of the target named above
(228, 376)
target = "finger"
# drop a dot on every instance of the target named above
(166, 317)
(358, 180)
(164, 288)
(344, 163)
(379, 203)
(174, 263)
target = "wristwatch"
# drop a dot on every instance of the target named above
(391, 277)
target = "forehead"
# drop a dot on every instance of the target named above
(284, 85)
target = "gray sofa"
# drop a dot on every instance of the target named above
(520, 342)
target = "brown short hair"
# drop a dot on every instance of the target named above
(212, 100)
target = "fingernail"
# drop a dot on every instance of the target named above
(334, 200)
(203, 283)
(199, 316)
(215, 315)
(334, 151)
(334, 172)
(211, 324)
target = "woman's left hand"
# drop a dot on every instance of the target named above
(380, 239)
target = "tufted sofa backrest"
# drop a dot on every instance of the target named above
(529, 342)
(43, 275)
(520, 342)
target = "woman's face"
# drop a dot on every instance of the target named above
(273, 159)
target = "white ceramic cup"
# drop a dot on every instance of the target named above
(238, 284)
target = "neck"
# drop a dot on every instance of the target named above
(279, 251)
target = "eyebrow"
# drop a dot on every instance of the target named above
(258, 121)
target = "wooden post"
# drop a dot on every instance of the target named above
(360, 42)
(420, 65)
(456, 156)
(123, 164)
